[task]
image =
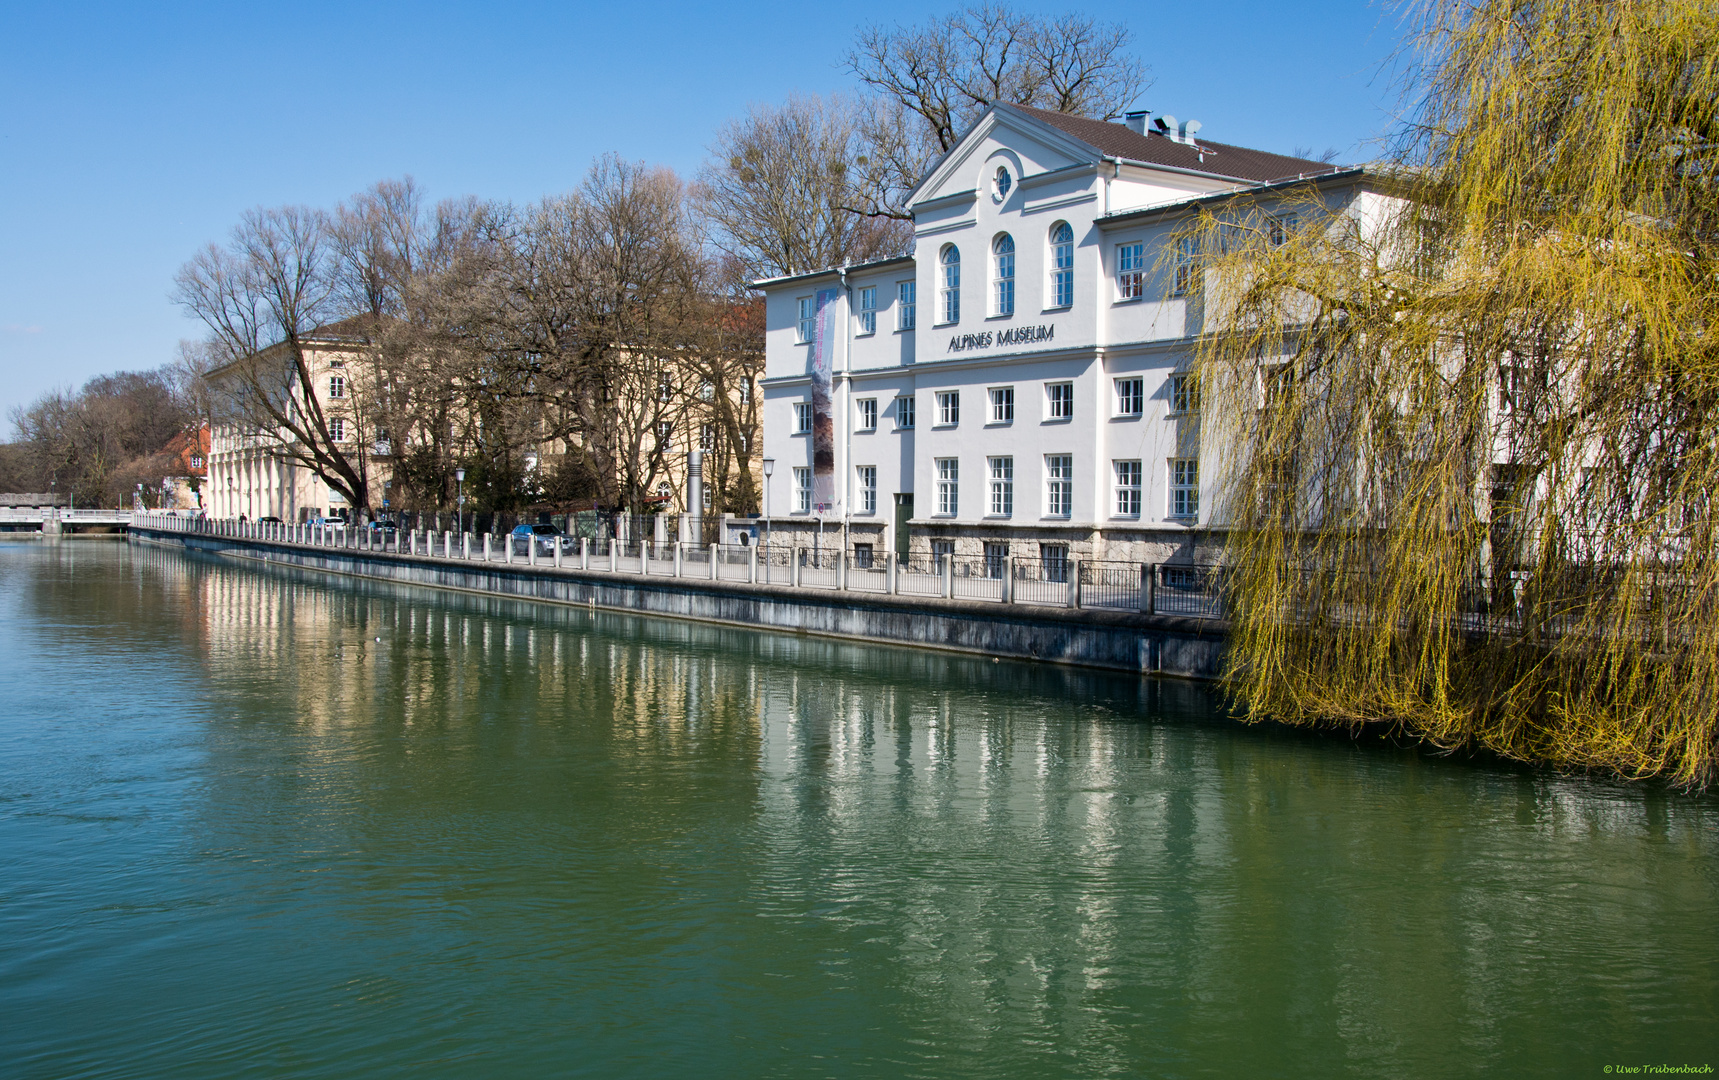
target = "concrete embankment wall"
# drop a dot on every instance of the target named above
(1119, 641)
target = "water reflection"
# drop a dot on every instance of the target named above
(500, 838)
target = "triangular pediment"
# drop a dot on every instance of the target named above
(1039, 147)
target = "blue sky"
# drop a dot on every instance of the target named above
(131, 135)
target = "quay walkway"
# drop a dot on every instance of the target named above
(1133, 616)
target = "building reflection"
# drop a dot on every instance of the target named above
(1072, 856)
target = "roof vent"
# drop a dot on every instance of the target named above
(1168, 127)
(1136, 121)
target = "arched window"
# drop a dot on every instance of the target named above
(1003, 251)
(1003, 183)
(1062, 264)
(951, 284)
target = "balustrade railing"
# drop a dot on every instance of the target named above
(1166, 589)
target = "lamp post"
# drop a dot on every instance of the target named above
(769, 468)
(460, 515)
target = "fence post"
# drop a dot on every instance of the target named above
(644, 556)
(486, 547)
(1009, 580)
(584, 553)
(530, 549)
(752, 564)
(949, 577)
(889, 572)
(614, 559)
(677, 558)
(1074, 584)
(1148, 588)
(842, 571)
(796, 568)
(714, 549)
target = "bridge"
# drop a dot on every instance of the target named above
(54, 520)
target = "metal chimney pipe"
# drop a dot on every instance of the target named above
(1136, 120)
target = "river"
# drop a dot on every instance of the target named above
(259, 822)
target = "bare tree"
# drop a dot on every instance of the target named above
(395, 259)
(779, 184)
(99, 443)
(261, 297)
(930, 83)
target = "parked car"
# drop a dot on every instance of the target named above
(546, 537)
(270, 520)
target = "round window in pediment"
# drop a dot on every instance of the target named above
(1001, 184)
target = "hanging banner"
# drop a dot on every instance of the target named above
(823, 408)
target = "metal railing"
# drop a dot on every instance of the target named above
(1167, 589)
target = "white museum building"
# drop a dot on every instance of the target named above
(1018, 385)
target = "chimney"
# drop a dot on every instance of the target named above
(1188, 130)
(1136, 121)
(1166, 125)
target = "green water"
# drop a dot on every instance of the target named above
(241, 836)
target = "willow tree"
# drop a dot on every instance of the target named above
(1467, 422)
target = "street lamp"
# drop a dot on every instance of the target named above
(460, 515)
(769, 468)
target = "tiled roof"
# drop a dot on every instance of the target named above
(1213, 158)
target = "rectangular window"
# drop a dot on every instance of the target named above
(906, 311)
(665, 388)
(808, 319)
(707, 438)
(868, 489)
(904, 413)
(996, 559)
(1059, 485)
(1127, 489)
(802, 417)
(1130, 397)
(1002, 405)
(1059, 400)
(1187, 261)
(337, 428)
(941, 552)
(948, 486)
(1184, 393)
(1512, 386)
(802, 490)
(948, 407)
(865, 556)
(1002, 486)
(1276, 384)
(707, 391)
(665, 428)
(1184, 488)
(1130, 270)
(868, 310)
(337, 386)
(745, 391)
(867, 414)
(1280, 229)
(1053, 561)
